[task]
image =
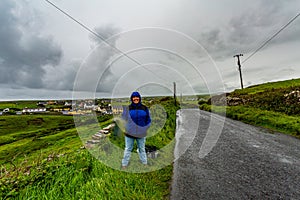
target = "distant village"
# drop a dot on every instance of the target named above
(78, 107)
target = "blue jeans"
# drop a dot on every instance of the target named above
(129, 142)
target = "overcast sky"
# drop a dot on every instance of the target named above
(149, 45)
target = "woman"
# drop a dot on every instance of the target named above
(137, 118)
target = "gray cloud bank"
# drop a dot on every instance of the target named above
(245, 32)
(24, 52)
(30, 58)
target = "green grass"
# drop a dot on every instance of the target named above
(41, 157)
(22, 135)
(266, 105)
(80, 176)
(269, 119)
(267, 86)
(18, 105)
(15, 125)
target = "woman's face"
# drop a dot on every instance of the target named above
(135, 100)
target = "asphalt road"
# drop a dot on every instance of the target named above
(236, 161)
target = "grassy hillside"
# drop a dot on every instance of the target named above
(18, 105)
(294, 83)
(275, 106)
(42, 157)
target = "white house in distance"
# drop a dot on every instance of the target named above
(117, 109)
(33, 110)
(90, 107)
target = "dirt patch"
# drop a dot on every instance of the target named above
(37, 121)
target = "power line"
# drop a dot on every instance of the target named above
(91, 31)
(100, 37)
(266, 42)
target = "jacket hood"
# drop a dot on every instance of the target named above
(136, 94)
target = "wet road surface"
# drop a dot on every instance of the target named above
(219, 158)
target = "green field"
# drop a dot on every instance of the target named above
(274, 106)
(42, 157)
(18, 105)
(265, 87)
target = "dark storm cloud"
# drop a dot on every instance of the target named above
(244, 33)
(62, 78)
(90, 74)
(96, 66)
(106, 33)
(107, 79)
(23, 52)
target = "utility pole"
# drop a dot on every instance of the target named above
(181, 98)
(174, 93)
(240, 70)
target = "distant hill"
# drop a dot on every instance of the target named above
(274, 105)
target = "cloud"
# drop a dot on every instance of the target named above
(61, 77)
(24, 51)
(244, 33)
(38, 49)
(96, 65)
(106, 32)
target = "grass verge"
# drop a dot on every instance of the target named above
(41, 161)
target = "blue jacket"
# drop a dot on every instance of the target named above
(137, 118)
